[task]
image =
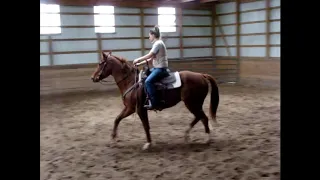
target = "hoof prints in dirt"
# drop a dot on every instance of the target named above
(75, 140)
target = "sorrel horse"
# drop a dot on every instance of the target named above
(189, 87)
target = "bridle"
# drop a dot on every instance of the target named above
(105, 65)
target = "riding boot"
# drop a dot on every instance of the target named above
(152, 104)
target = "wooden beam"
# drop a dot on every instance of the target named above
(180, 32)
(50, 47)
(213, 30)
(268, 29)
(238, 32)
(184, 1)
(206, 1)
(130, 3)
(99, 41)
(223, 36)
(142, 31)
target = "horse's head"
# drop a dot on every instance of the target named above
(104, 68)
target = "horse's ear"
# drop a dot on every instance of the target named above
(105, 55)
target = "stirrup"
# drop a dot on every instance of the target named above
(149, 105)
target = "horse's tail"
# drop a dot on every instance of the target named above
(214, 101)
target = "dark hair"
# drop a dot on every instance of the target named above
(155, 31)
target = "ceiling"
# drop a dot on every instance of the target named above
(196, 4)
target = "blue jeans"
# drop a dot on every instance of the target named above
(156, 75)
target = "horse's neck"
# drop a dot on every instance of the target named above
(125, 80)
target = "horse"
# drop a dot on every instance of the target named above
(187, 86)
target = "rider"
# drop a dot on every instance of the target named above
(158, 54)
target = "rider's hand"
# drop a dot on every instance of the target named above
(135, 61)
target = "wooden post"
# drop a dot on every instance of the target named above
(238, 33)
(223, 36)
(50, 47)
(142, 31)
(180, 31)
(99, 41)
(213, 30)
(267, 29)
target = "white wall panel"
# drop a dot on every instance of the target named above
(65, 46)
(253, 28)
(226, 8)
(275, 52)
(197, 41)
(226, 30)
(189, 11)
(126, 10)
(127, 20)
(253, 40)
(275, 26)
(252, 5)
(227, 19)
(253, 16)
(44, 37)
(230, 40)
(150, 20)
(275, 39)
(121, 44)
(123, 32)
(44, 60)
(44, 47)
(77, 20)
(173, 54)
(150, 10)
(223, 51)
(62, 59)
(275, 14)
(196, 20)
(197, 52)
(274, 3)
(74, 33)
(253, 51)
(191, 31)
(84, 9)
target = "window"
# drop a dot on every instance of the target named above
(167, 19)
(104, 19)
(50, 22)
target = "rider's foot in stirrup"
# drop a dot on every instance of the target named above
(149, 106)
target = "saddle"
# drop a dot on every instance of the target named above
(171, 81)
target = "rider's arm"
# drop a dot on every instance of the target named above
(153, 51)
(143, 62)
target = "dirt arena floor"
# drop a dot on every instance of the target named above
(75, 139)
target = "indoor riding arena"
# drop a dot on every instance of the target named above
(235, 41)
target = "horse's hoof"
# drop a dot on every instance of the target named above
(146, 146)
(114, 136)
(186, 138)
(208, 139)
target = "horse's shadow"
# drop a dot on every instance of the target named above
(182, 147)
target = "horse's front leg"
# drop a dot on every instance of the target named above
(143, 114)
(124, 113)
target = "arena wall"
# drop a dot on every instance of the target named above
(233, 40)
(68, 59)
(254, 41)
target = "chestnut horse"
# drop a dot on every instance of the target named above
(189, 87)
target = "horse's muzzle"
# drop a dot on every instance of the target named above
(94, 79)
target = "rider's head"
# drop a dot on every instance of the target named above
(154, 34)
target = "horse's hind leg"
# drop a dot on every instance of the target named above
(205, 122)
(196, 110)
(187, 132)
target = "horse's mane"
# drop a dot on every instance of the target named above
(124, 61)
